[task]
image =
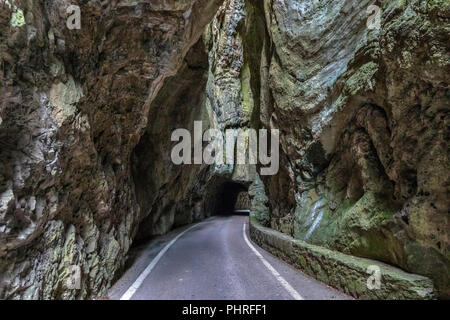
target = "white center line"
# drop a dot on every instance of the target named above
(135, 286)
(283, 282)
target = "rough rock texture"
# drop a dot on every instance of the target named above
(74, 105)
(231, 103)
(209, 87)
(364, 114)
(168, 194)
(344, 272)
(86, 117)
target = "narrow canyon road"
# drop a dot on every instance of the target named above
(215, 260)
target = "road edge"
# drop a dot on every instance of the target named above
(286, 285)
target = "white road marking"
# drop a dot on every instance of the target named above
(135, 286)
(283, 282)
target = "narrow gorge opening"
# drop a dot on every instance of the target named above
(231, 198)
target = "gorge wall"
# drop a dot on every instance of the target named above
(365, 119)
(75, 104)
(86, 118)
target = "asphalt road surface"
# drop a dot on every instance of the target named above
(214, 260)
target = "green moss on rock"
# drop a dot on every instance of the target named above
(18, 19)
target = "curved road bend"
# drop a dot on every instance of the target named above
(214, 261)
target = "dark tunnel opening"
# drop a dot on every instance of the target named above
(231, 198)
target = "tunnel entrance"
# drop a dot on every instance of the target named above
(231, 198)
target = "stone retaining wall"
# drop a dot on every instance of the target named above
(346, 273)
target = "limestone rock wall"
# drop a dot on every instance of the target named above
(169, 194)
(209, 87)
(232, 90)
(364, 117)
(86, 117)
(74, 105)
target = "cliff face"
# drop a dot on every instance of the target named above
(364, 115)
(86, 118)
(75, 104)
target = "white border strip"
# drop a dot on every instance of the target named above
(283, 282)
(135, 286)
